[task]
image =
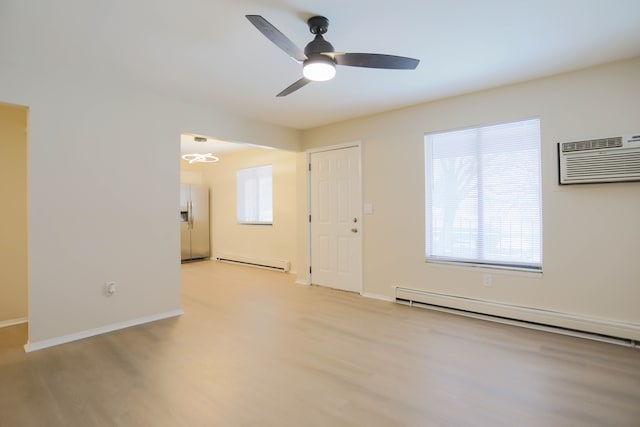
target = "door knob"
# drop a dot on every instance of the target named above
(354, 230)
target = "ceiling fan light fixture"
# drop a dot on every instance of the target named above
(319, 68)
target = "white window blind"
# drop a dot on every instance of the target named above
(483, 196)
(254, 195)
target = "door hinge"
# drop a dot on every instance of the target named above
(309, 167)
(309, 217)
(309, 269)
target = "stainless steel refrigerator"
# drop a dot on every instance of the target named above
(194, 222)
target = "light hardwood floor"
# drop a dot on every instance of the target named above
(255, 349)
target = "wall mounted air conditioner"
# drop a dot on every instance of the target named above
(612, 159)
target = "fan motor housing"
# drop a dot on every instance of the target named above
(318, 25)
(318, 45)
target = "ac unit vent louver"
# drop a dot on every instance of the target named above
(592, 144)
(600, 160)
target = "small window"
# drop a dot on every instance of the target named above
(483, 196)
(255, 202)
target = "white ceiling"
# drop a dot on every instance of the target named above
(206, 51)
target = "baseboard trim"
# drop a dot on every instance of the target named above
(39, 345)
(534, 316)
(378, 297)
(13, 322)
(251, 261)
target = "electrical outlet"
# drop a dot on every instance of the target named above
(487, 280)
(110, 288)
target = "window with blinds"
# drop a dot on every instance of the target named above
(483, 196)
(254, 195)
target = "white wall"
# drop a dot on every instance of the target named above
(591, 232)
(103, 174)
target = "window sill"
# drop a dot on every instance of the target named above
(518, 271)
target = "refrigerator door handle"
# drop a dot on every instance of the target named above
(190, 214)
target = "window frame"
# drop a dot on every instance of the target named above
(478, 259)
(243, 176)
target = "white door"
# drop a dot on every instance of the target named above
(336, 228)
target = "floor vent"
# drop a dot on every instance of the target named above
(268, 263)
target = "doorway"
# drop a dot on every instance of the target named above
(336, 218)
(271, 245)
(13, 216)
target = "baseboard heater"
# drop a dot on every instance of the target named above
(269, 263)
(543, 320)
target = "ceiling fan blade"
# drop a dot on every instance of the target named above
(375, 60)
(295, 86)
(279, 39)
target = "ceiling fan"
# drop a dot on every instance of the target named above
(319, 58)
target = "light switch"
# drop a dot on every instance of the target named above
(368, 208)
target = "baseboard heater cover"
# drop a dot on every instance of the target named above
(550, 321)
(269, 263)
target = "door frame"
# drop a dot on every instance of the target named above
(309, 152)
